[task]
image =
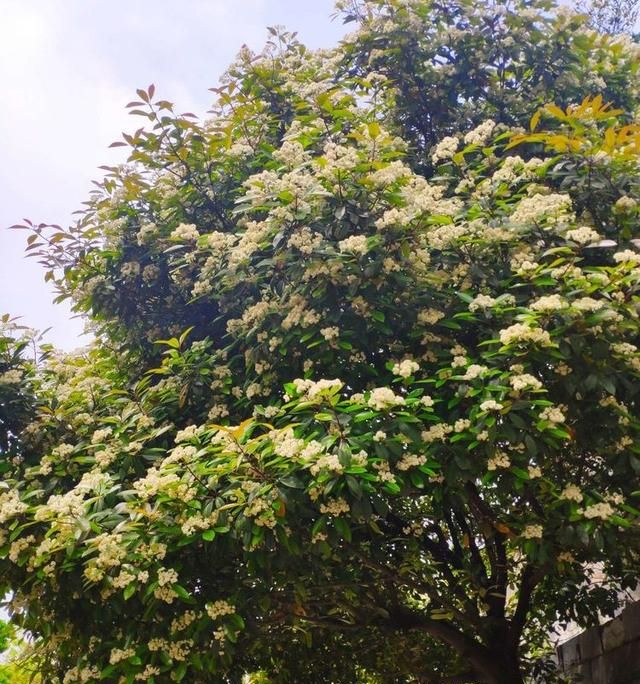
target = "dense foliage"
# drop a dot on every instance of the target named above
(365, 380)
(14, 665)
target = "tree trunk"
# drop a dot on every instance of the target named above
(507, 667)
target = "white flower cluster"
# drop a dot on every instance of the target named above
(335, 507)
(130, 270)
(481, 134)
(627, 256)
(10, 505)
(81, 675)
(167, 576)
(330, 333)
(491, 405)
(474, 371)
(62, 506)
(624, 348)
(357, 244)
(181, 622)
(260, 509)
(536, 208)
(305, 240)
(146, 233)
(602, 510)
(405, 368)
(462, 424)
(111, 553)
(337, 160)
(572, 493)
(430, 316)
(389, 174)
(548, 303)
(119, 654)
(11, 377)
(481, 301)
(312, 390)
(519, 332)
(285, 443)
(553, 415)
(445, 236)
(188, 433)
(20, 545)
(509, 170)
(584, 235)
(329, 462)
(498, 460)
(587, 304)
(524, 381)
(382, 398)
(220, 608)
(291, 153)
(624, 204)
(436, 433)
(154, 482)
(100, 436)
(196, 522)
(185, 232)
(445, 149)
(411, 461)
(533, 532)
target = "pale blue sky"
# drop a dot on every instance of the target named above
(68, 67)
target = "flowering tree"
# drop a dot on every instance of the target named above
(351, 389)
(612, 16)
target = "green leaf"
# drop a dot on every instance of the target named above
(354, 486)
(342, 526)
(182, 592)
(179, 672)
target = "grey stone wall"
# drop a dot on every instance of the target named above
(608, 654)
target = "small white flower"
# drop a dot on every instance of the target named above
(533, 532)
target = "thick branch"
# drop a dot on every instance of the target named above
(477, 655)
(531, 576)
(496, 550)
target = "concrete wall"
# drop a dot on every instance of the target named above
(608, 654)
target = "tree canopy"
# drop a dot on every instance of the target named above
(363, 400)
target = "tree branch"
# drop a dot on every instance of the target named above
(484, 666)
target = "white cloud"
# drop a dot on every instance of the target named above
(68, 67)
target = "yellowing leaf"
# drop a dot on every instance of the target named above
(374, 129)
(610, 138)
(535, 120)
(501, 527)
(554, 110)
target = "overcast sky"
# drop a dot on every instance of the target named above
(68, 67)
